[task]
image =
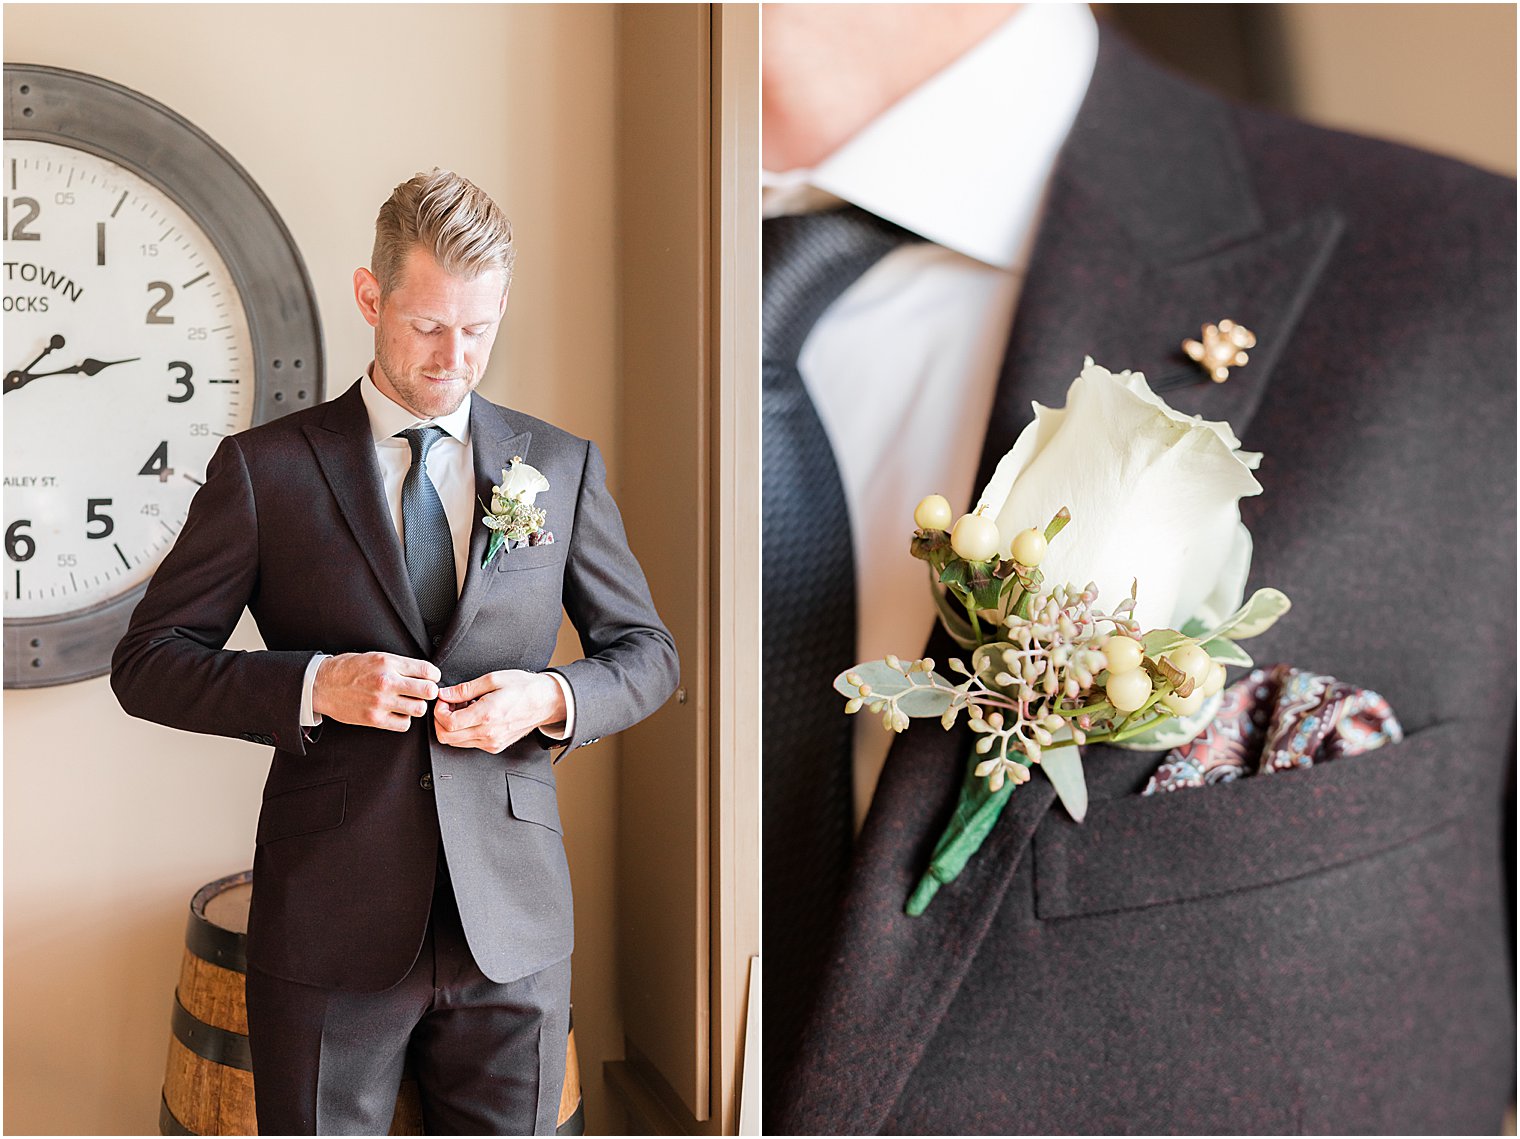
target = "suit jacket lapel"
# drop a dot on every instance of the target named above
(1127, 263)
(345, 450)
(494, 442)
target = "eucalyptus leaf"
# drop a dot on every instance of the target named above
(1226, 651)
(989, 658)
(919, 697)
(1255, 617)
(1159, 641)
(1063, 767)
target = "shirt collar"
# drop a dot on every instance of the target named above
(963, 159)
(387, 417)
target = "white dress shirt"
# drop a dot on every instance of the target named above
(904, 366)
(451, 467)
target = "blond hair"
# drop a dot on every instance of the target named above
(449, 216)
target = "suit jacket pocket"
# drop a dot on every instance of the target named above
(529, 557)
(305, 810)
(1146, 850)
(533, 801)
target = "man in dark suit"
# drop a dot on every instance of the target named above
(411, 889)
(1323, 950)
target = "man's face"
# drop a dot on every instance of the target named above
(433, 331)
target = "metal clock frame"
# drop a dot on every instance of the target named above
(85, 112)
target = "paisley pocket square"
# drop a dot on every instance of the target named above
(1275, 719)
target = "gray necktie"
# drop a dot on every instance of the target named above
(808, 594)
(426, 540)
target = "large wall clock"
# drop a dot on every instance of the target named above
(154, 302)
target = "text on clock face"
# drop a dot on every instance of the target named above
(128, 359)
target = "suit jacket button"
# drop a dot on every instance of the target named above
(426, 782)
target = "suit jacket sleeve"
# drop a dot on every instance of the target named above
(171, 667)
(630, 665)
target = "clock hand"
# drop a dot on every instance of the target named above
(89, 367)
(24, 376)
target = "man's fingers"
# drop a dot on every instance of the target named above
(457, 717)
(470, 689)
(417, 687)
(420, 669)
(411, 708)
(396, 722)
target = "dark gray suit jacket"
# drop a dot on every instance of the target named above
(292, 523)
(1324, 950)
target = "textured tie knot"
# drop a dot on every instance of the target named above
(421, 440)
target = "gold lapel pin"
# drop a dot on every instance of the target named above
(1224, 347)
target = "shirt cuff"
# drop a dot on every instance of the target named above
(309, 719)
(564, 730)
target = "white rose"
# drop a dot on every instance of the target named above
(522, 483)
(1154, 496)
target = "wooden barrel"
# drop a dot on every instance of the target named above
(208, 1083)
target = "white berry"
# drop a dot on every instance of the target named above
(1129, 690)
(933, 513)
(1124, 654)
(1192, 660)
(1029, 547)
(1183, 705)
(974, 538)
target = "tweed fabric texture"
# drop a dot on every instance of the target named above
(1325, 950)
(426, 539)
(808, 593)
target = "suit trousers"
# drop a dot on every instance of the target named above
(489, 1058)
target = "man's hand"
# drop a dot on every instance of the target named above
(374, 690)
(494, 711)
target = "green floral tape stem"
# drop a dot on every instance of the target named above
(975, 814)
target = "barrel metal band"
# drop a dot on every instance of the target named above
(168, 1122)
(209, 941)
(210, 1042)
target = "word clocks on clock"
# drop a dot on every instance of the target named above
(154, 304)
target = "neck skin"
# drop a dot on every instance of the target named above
(827, 70)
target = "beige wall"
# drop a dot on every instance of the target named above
(111, 823)
(1437, 76)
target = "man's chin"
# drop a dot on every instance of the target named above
(434, 398)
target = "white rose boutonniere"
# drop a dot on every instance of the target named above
(1153, 499)
(1156, 493)
(512, 517)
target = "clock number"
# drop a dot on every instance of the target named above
(94, 514)
(155, 309)
(150, 510)
(19, 546)
(100, 243)
(63, 199)
(20, 232)
(150, 250)
(183, 380)
(158, 463)
(65, 561)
